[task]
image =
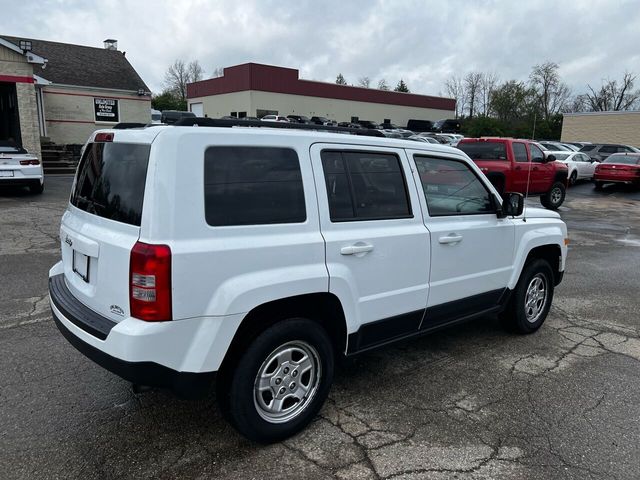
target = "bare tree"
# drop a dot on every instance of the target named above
(455, 89)
(472, 85)
(179, 75)
(383, 85)
(364, 82)
(614, 96)
(217, 72)
(488, 84)
(552, 93)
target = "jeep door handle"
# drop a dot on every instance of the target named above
(355, 249)
(451, 238)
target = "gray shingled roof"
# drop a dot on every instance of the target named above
(84, 66)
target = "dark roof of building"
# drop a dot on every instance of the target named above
(84, 66)
(269, 78)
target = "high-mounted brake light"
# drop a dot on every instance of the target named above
(103, 137)
(150, 282)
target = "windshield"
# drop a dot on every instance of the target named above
(110, 181)
(484, 150)
(623, 159)
(561, 156)
(10, 147)
(587, 148)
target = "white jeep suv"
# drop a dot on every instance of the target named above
(262, 254)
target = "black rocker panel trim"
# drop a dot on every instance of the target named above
(389, 330)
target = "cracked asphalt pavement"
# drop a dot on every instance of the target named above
(471, 402)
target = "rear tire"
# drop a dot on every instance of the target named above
(280, 382)
(554, 197)
(36, 188)
(531, 299)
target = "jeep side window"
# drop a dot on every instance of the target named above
(364, 186)
(520, 152)
(452, 188)
(252, 186)
(536, 153)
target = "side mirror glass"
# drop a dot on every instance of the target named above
(513, 204)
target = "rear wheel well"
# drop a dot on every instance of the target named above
(550, 253)
(323, 308)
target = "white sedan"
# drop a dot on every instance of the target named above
(18, 167)
(581, 166)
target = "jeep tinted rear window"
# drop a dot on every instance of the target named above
(110, 181)
(252, 186)
(364, 186)
(484, 150)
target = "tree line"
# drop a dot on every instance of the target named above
(532, 108)
(365, 82)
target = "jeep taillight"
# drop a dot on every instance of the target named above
(150, 282)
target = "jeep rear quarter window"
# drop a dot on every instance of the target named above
(252, 186)
(110, 181)
(484, 150)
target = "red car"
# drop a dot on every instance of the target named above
(514, 165)
(618, 168)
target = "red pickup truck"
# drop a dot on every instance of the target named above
(514, 165)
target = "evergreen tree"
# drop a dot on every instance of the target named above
(401, 87)
(340, 80)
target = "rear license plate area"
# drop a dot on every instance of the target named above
(6, 173)
(80, 265)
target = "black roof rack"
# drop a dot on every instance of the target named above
(214, 122)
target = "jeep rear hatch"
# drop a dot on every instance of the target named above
(102, 224)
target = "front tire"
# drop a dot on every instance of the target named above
(554, 197)
(573, 178)
(531, 299)
(280, 382)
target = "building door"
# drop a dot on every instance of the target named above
(9, 118)
(197, 109)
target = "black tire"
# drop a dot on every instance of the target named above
(573, 178)
(554, 197)
(597, 185)
(36, 188)
(515, 317)
(236, 386)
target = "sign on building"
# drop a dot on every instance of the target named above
(106, 110)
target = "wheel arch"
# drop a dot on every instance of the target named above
(322, 307)
(545, 243)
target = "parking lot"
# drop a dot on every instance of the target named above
(468, 402)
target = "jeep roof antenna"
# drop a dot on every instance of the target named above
(526, 192)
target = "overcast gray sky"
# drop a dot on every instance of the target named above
(423, 42)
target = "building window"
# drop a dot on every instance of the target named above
(234, 114)
(242, 114)
(106, 110)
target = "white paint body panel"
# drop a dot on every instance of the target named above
(219, 274)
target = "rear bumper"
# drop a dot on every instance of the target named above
(21, 175)
(143, 373)
(182, 355)
(617, 178)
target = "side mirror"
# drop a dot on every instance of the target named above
(512, 205)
